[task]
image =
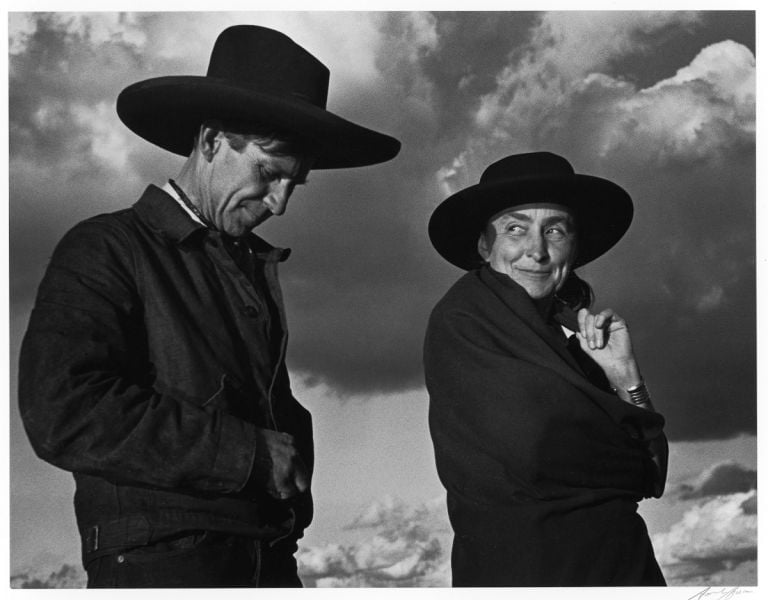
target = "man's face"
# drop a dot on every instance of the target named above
(241, 189)
(535, 245)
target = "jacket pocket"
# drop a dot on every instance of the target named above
(219, 396)
(230, 398)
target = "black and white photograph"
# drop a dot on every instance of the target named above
(383, 298)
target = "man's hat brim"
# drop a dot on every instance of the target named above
(168, 112)
(602, 210)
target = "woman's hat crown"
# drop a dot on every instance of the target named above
(527, 166)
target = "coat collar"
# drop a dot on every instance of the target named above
(162, 213)
(518, 300)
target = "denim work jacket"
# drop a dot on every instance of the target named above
(149, 369)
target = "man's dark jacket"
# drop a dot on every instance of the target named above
(543, 464)
(150, 366)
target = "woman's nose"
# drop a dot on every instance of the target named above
(537, 247)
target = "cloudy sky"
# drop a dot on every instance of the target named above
(663, 103)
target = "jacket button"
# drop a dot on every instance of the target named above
(250, 311)
(120, 558)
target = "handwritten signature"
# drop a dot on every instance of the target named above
(719, 593)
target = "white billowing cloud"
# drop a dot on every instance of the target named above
(447, 176)
(707, 106)
(574, 44)
(98, 27)
(109, 139)
(728, 67)
(408, 38)
(718, 534)
(410, 547)
(565, 49)
(558, 94)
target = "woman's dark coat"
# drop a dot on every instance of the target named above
(543, 467)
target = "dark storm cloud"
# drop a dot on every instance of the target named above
(460, 90)
(67, 577)
(724, 478)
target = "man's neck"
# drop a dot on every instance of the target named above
(186, 180)
(169, 189)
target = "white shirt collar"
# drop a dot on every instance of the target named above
(168, 189)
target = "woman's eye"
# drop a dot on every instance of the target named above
(555, 233)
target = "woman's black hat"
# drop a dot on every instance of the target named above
(602, 209)
(259, 76)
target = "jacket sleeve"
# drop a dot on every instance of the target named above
(85, 396)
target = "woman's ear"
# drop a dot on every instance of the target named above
(483, 248)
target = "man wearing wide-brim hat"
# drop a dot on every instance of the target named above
(153, 367)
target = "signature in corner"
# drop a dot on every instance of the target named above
(723, 593)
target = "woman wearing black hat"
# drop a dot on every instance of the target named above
(545, 444)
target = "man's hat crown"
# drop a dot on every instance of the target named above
(266, 60)
(257, 77)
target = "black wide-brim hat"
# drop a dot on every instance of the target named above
(256, 76)
(602, 210)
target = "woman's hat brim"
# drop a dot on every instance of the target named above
(168, 112)
(602, 210)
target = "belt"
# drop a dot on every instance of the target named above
(137, 530)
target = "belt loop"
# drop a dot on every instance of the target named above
(92, 539)
(256, 576)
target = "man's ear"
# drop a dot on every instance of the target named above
(208, 141)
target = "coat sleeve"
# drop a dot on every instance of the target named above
(85, 396)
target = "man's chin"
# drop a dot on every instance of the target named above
(243, 227)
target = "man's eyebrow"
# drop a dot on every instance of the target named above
(297, 176)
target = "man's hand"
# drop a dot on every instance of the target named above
(605, 338)
(289, 475)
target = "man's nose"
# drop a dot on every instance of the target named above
(277, 199)
(537, 247)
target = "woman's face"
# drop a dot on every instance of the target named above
(535, 244)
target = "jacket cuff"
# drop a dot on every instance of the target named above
(237, 447)
(261, 468)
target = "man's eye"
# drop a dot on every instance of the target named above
(515, 228)
(265, 173)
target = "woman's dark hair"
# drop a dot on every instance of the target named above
(575, 292)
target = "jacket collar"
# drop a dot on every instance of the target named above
(163, 214)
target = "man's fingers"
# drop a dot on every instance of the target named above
(290, 475)
(296, 482)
